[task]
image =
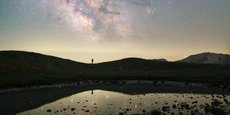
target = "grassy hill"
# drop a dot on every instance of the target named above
(19, 68)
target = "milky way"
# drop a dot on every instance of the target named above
(114, 29)
(93, 17)
(99, 18)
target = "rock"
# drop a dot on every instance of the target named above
(174, 106)
(155, 112)
(49, 110)
(166, 108)
(194, 102)
(72, 109)
(86, 110)
(184, 105)
(216, 102)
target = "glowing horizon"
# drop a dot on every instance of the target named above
(115, 29)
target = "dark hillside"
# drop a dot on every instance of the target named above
(25, 69)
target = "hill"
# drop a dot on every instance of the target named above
(18, 69)
(208, 58)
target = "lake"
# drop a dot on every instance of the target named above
(104, 102)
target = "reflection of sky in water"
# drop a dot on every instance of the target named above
(107, 102)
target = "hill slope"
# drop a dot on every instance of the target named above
(25, 68)
(208, 58)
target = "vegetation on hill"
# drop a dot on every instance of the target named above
(25, 69)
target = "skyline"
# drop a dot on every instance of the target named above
(108, 30)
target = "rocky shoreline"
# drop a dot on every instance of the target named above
(120, 82)
(21, 99)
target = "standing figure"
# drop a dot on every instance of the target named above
(92, 60)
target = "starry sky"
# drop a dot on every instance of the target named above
(113, 29)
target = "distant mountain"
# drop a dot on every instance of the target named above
(208, 58)
(162, 59)
(18, 68)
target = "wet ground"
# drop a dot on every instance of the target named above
(100, 102)
(118, 99)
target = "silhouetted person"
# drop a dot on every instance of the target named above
(92, 60)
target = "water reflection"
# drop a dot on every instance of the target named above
(101, 102)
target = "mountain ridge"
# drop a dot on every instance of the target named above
(207, 58)
(18, 69)
(203, 58)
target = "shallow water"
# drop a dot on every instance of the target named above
(100, 102)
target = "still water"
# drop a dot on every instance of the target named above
(101, 102)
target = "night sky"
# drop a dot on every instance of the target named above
(114, 29)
